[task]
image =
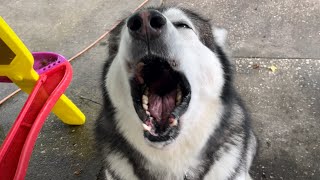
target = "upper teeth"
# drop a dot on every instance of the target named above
(145, 107)
(179, 95)
(144, 99)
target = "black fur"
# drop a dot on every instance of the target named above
(107, 134)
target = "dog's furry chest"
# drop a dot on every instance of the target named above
(173, 169)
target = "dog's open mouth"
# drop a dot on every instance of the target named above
(160, 96)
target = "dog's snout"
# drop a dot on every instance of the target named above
(146, 24)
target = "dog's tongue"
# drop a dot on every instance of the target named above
(160, 107)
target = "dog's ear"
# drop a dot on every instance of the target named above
(220, 36)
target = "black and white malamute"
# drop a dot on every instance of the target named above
(171, 111)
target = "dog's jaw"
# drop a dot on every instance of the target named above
(214, 130)
(203, 113)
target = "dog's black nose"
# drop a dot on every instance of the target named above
(146, 24)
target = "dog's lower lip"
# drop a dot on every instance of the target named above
(148, 124)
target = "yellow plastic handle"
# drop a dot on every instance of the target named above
(16, 63)
(68, 112)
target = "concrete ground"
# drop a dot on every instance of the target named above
(284, 104)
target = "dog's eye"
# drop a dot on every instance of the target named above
(181, 25)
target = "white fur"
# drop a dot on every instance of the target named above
(206, 81)
(251, 154)
(118, 163)
(220, 36)
(108, 175)
(176, 15)
(225, 165)
(205, 75)
(230, 157)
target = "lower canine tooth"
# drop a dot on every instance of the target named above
(145, 127)
(173, 122)
(148, 113)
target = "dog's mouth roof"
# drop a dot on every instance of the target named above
(160, 95)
